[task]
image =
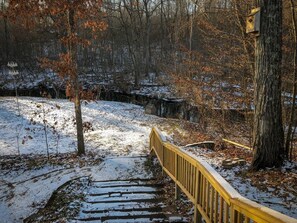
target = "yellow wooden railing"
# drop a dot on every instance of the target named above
(213, 197)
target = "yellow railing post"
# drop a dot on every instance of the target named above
(151, 145)
(177, 192)
(162, 159)
(232, 215)
(197, 214)
(163, 154)
(177, 189)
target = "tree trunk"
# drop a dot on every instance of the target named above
(268, 135)
(147, 41)
(79, 124)
(75, 84)
(177, 25)
(6, 32)
(162, 32)
(293, 106)
(191, 31)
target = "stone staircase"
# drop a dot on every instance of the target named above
(125, 201)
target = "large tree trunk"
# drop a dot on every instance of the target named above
(290, 132)
(268, 135)
(75, 84)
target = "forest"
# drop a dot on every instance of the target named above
(240, 80)
(199, 48)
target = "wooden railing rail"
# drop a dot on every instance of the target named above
(214, 199)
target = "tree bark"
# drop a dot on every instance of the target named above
(75, 84)
(147, 38)
(293, 106)
(6, 32)
(268, 135)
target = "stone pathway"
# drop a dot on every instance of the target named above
(125, 200)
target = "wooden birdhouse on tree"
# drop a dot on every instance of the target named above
(253, 22)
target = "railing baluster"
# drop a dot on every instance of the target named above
(233, 215)
(196, 176)
(203, 193)
(200, 188)
(191, 179)
(193, 185)
(177, 189)
(239, 217)
(176, 166)
(206, 197)
(197, 214)
(226, 213)
(173, 162)
(186, 174)
(216, 203)
(193, 182)
(211, 203)
(221, 210)
(181, 170)
(246, 219)
(162, 149)
(189, 175)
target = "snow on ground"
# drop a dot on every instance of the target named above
(153, 85)
(155, 91)
(114, 129)
(21, 198)
(120, 168)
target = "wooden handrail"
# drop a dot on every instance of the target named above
(213, 197)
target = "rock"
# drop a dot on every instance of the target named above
(226, 161)
(241, 162)
(229, 163)
(150, 108)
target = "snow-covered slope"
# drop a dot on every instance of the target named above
(111, 128)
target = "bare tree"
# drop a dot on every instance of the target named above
(67, 18)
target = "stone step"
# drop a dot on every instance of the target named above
(125, 201)
(130, 189)
(122, 196)
(122, 204)
(125, 209)
(118, 182)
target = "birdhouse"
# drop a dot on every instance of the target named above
(253, 22)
